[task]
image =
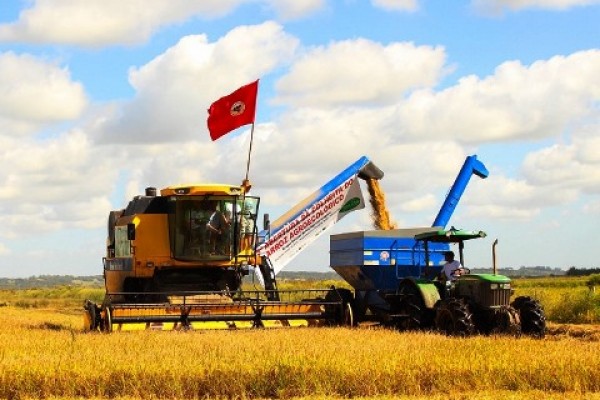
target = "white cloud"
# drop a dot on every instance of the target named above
(293, 9)
(558, 166)
(97, 23)
(105, 22)
(4, 250)
(396, 5)
(592, 208)
(517, 102)
(55, 183)
(360, 71)
(497, 6)
(174, 90)
(34, 92)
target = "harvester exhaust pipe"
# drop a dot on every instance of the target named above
(370, 171)
(495, 269)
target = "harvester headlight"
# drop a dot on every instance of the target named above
(494, 286)
(506, 286)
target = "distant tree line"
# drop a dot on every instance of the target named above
(523, 271)
(44, 281)
(574, 271)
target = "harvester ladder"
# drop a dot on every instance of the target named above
(268, 273)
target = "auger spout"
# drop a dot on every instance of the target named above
(471, 166)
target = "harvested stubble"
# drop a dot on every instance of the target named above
(42, 362)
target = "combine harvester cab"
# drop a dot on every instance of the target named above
(176, 260)
(394, 274)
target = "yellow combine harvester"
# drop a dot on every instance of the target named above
(176, 259)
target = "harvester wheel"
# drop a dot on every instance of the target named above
(107, 321)
(531, 313)
(507, 321)
(92, 317)
(453, 317)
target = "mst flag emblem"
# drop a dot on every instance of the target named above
(232, 111)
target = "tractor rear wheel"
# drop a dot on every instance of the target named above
(411, 307)
(531, 313)
(454, 318)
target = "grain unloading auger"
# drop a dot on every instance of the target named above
(176, 259)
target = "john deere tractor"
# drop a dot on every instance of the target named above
(481, 302)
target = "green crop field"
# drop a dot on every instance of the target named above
(45, 354)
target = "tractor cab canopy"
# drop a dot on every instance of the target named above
(451, 235)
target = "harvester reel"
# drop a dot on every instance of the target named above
(531, 313)
(454, 318)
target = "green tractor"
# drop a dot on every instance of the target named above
(471, 303)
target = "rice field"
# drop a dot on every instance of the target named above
(45, 354)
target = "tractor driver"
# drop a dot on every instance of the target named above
(452, 268)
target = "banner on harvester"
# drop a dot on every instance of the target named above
(303, 224)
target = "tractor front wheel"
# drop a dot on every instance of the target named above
(506, 321)
(531, 313)
(454, 318)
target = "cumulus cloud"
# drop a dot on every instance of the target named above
(105, 22)
(333, 75)
(55, 183)
(517, 102)
(497, 6)
(35, 92)
(396, 5)
(294, 9)
(174, 90)
(562, 166)
(98, 23)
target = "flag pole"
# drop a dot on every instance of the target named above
(246, 180)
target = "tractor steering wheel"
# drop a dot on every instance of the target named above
(461, 271)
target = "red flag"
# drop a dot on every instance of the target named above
(232, 111)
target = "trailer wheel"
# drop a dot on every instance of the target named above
(344, 315)
(348, 315)
(454, 318)
(531, 313)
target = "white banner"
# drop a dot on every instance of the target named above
(311, 221)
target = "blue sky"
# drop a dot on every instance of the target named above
(102, 98)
